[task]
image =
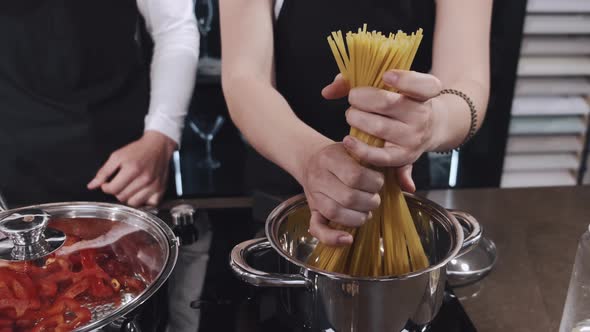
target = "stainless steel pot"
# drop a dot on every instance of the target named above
(326, 301)
(148, 244)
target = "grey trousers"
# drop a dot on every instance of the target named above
(186, 282)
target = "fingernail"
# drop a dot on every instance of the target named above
(345, 239)
(349, 142)
(370, 215)
(390, 77)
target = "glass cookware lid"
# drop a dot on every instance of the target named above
(79, 266)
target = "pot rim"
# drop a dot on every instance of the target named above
(283, 210)
(159, 226)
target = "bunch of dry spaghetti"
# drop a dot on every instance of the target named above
(388, 244)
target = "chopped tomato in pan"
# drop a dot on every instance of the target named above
(49, 298)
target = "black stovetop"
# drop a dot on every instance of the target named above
(227, 304)
(262, 312)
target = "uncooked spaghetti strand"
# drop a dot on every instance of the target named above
(415, 44)
(385, 66)
(338, 57)
(339, 39)
(396, 222)
(387, 235)
(352, 57)
(399, 56)
(415, 248)
(356, 259)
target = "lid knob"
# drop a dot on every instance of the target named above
(24, 227)
(28, 236)
(183, 214)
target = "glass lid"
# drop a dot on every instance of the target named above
(79, 266)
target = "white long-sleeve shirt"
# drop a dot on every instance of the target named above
(173, 27)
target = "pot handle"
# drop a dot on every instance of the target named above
(238, 263)
(3, 205)
(131, 326)
(472, 229)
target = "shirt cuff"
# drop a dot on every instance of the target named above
(162, 123)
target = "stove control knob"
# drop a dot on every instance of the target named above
(183, 221)
(183, 215)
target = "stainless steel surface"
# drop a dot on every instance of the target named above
(122, 324)
(143, 220)
(470, 227)
(239, 257)
(131, 326)
(183, 214)
(150, 209)
(157, 261)
(474, 265)
(24, 226)
(3, 205)
(344, 303)
(27, 235)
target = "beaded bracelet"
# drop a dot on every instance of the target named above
(472, 111)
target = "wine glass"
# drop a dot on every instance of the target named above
(207, 127)
(204, 13)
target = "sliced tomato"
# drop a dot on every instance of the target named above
(19, 283)
(5, 322)
(51, 323)
(100, 288)
(87, 258)
(77, 289)
(65, 306)
(18, 306)
(47, 288)
(132, 283)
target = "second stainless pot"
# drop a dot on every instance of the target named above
(147, 244)
(326, 301)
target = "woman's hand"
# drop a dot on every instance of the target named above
(140, 170)
(404, 120)
(339, 189)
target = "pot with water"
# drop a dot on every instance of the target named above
(325, 301)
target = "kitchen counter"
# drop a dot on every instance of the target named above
(536, 233)
(535, 230)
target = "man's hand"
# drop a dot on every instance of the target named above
(137, 174)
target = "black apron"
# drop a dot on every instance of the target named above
(73, 89)
(305, 65)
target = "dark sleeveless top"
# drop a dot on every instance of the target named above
(304, 65)
(73, 88)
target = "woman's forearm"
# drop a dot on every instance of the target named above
(260, 112)
(452, 117)
(270, 126)
(461, 61)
